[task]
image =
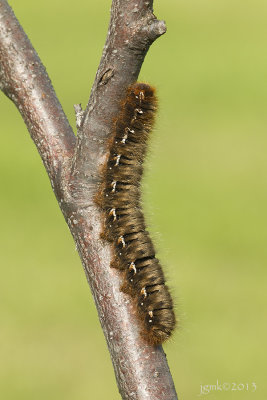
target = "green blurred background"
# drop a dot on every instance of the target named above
(205, 196)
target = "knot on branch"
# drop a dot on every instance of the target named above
(155, 29)
(144, 32)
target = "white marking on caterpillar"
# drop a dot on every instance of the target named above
(122, 241)
(123, 140)
(143, 292)
(113, 185)
(129, 130)
(113, 213)
(117, 159)
(141, 96)
(150, 313)
(132, 267)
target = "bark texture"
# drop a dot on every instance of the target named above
(72, 164)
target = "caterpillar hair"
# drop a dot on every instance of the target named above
(123, 221)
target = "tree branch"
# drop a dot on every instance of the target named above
(141, 370)
(24, 80)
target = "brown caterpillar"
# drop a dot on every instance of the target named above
(120, 200)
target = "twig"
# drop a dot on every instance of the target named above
(73, 166)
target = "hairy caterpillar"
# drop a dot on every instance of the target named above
(124, 226)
